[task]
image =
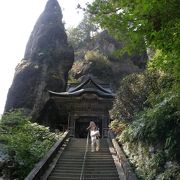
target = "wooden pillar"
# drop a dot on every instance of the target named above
(71, 125)
(105, 122)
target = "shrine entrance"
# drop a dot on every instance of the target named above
(83, 103)
(82, 123)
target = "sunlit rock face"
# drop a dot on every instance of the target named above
(116, 69)
(46, 63)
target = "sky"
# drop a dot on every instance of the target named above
(17, 19)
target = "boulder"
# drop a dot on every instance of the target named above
(46, 63)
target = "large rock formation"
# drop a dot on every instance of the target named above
(112, 70)
(46, 63)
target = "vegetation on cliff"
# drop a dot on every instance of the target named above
(94, 64)
(88, 42)
(147, 125)
(78, 36)
(22, 143)
(146, 110)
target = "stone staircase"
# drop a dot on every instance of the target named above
(98, 166)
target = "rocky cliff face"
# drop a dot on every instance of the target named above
(46, 63)
(109, 72)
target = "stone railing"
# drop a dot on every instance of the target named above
(128, 171)
(43, 164)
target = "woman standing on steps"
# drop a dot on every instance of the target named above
(94, 133)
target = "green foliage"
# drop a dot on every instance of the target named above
(157, 22)
(94, 63)
(77, 36)
(134, 91)
(170, 173)
(150, 165)
(150, 101)
(159, 124)
(167, 63)
(117, 126)
(153, 167)
(97, 57)
(100, 65)
(71, 78)
(25, 142)
(157, 163)
(13, 119)
(76, 69)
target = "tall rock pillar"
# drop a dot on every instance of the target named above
(47, 61)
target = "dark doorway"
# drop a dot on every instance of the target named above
(82, 123)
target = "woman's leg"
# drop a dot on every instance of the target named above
(97, 144)
(93, 141)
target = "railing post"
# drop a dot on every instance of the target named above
(71, 129)
(105, 132)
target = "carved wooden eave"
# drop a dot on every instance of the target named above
(83, 101)
(87, 87)
(86, 96)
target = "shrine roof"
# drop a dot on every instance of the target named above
(89, 87)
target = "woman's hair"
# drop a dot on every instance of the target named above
(92, 124)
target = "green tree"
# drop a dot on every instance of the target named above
(24, 144)
(157, 21)
(137, 92)
(82, 33)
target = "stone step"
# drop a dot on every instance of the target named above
(95, 153)
(85, 175)
(94, 159)
(88, 156)
(86, 178)
(92, 168)
(87, 163)
(89, 173)
(98, 166)
(86, 166)
(83, 149)
(103, 170)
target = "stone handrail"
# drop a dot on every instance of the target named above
(43, 164)
(128, 171)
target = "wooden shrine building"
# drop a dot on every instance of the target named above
(83, 103)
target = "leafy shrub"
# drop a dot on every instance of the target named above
(170, 173)
(100, 65)
(14, 118)
(156, 127)
(148, 103)
(96, 56)
(167, 63)
(117, 126)
(132, 95)
(138, 91)
(75, 70)
(95, 64)
(25, 142)
(159, 124)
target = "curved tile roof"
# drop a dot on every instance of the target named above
(89, 87)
